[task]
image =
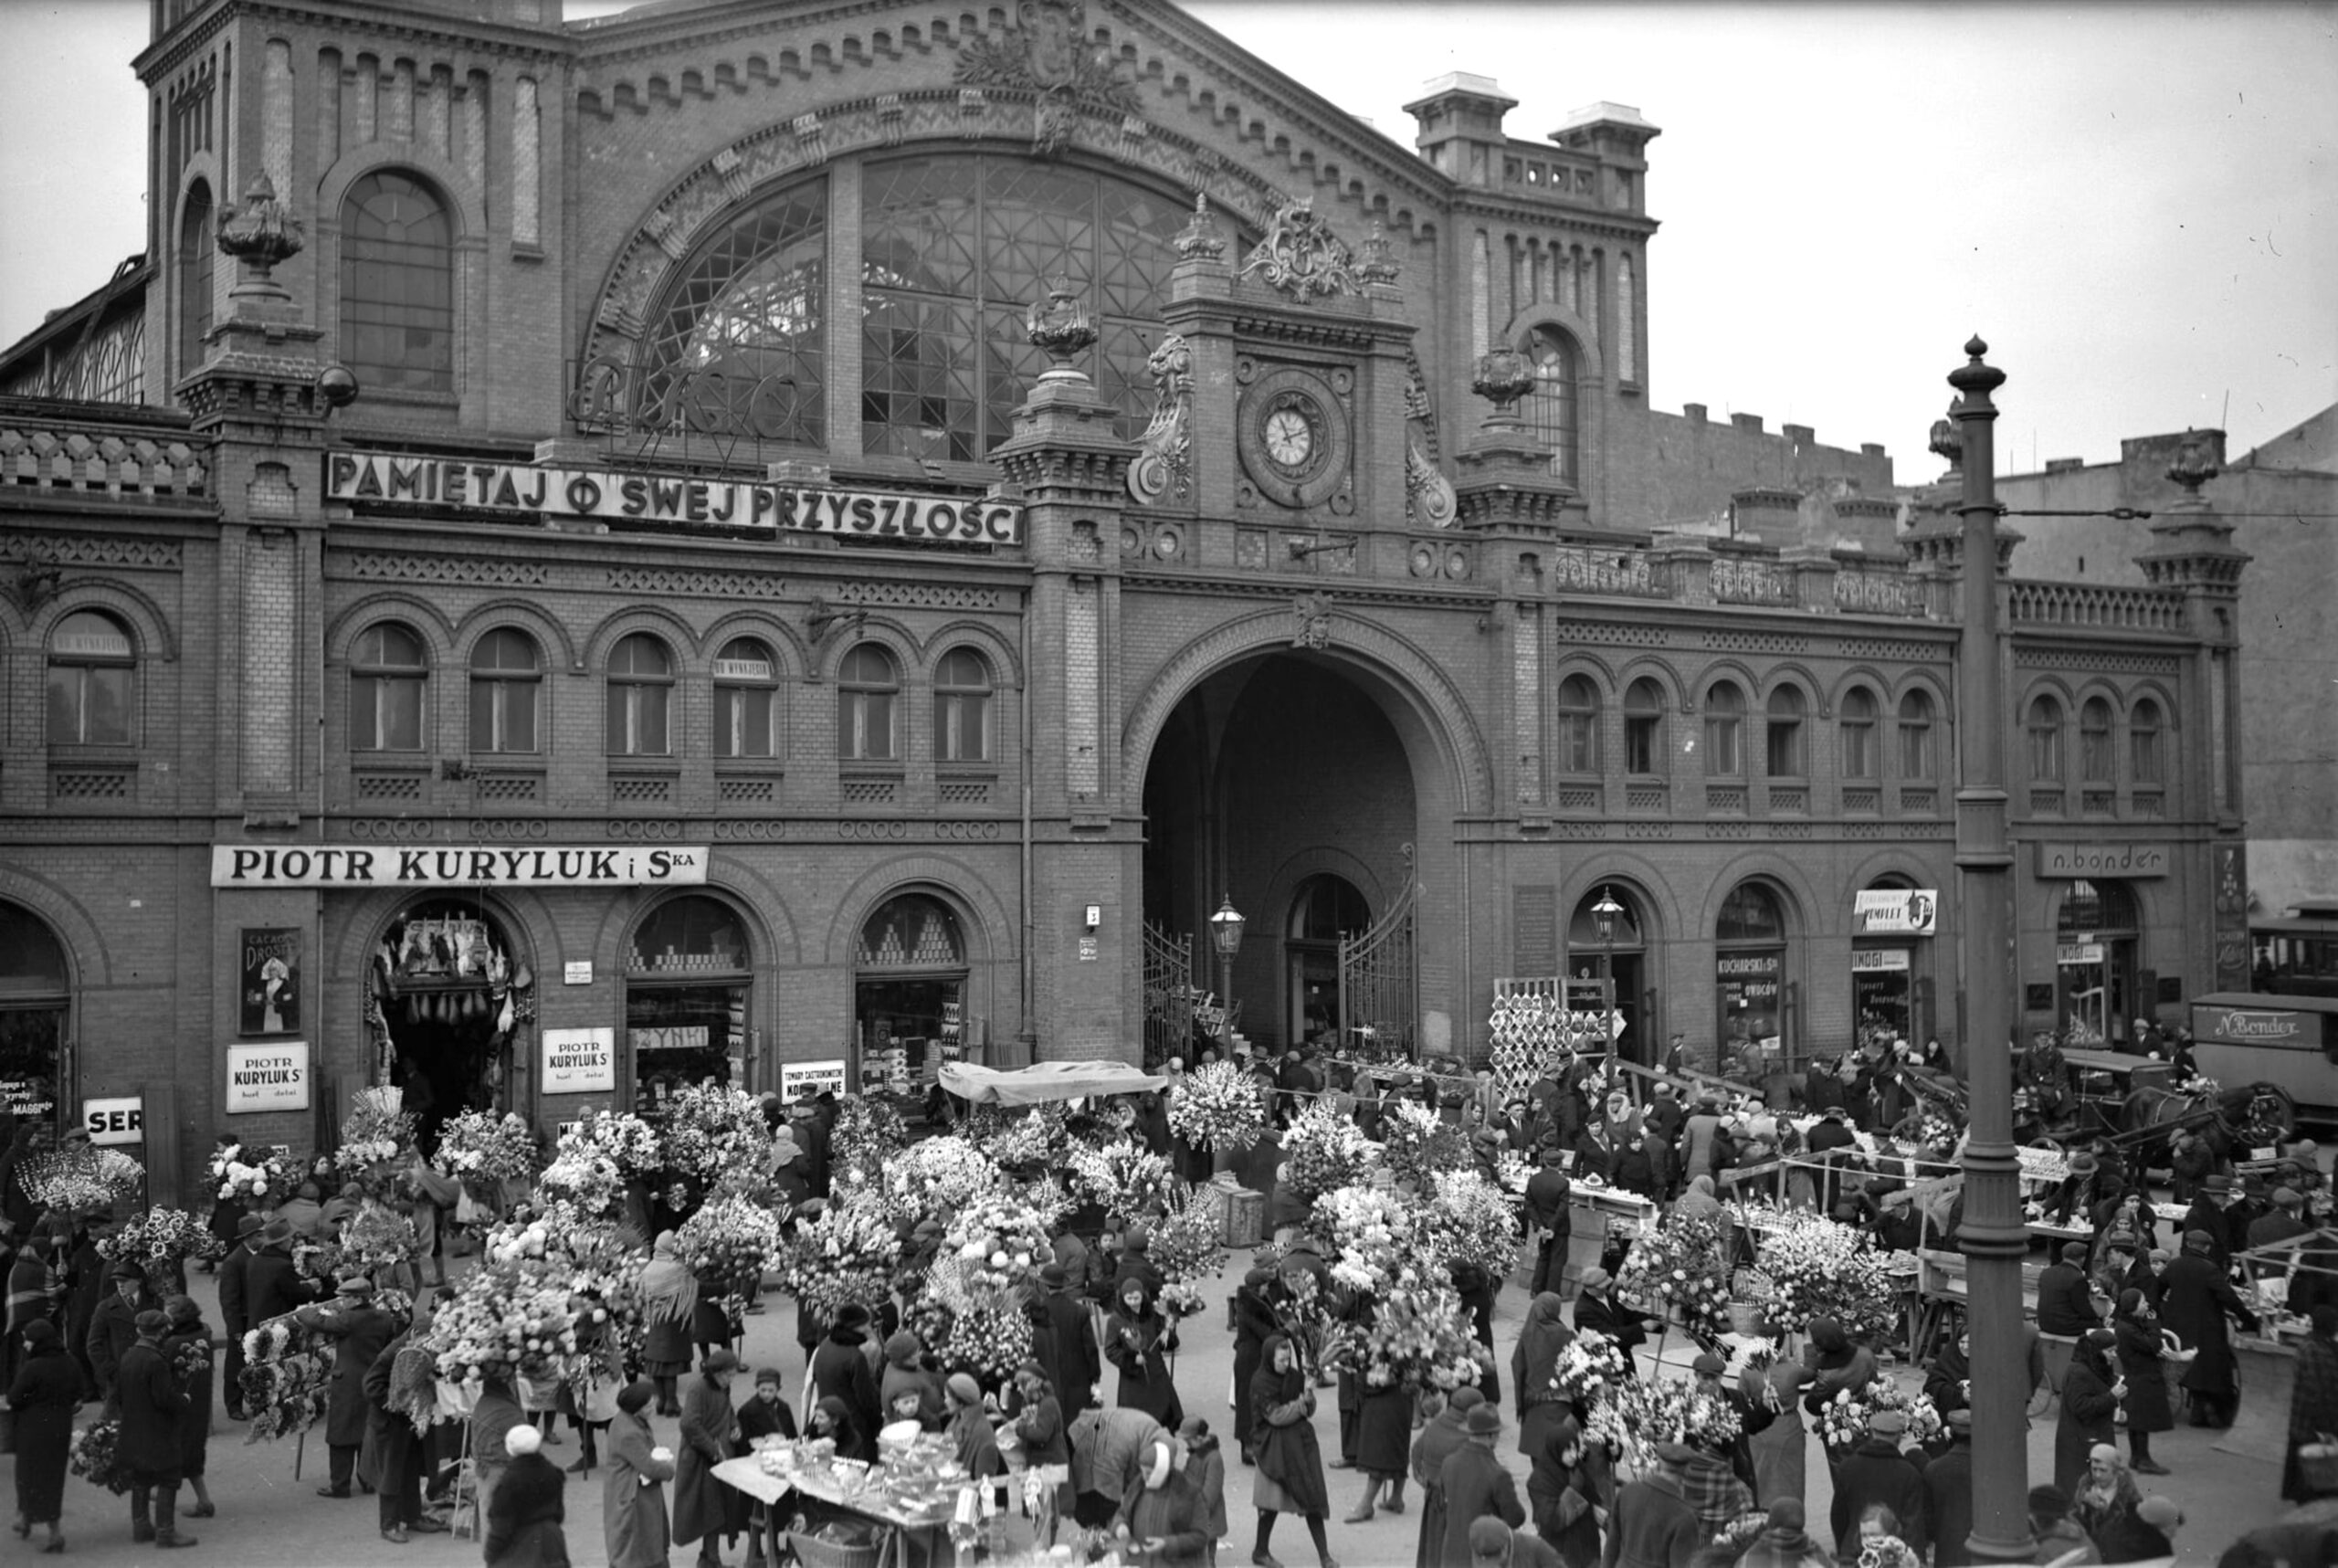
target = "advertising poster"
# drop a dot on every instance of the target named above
(268, 963)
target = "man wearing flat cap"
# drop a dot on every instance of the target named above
(1476, 1486)
(2196, 1299)
(360, 1330)
(235, 1306)
(148, 1449)
(1493, 1544)
(114, 1327)
(1948, 1494)
(1876, 1471)
(1651, 1524)
(274, 1283)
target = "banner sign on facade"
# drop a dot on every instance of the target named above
(580, 1061)
(115, 1121)
(524, 489)
(562, 866)
(1895, 912)
(2070, 955)
(274, 1076)
(1879, 960)
(809, 1080)
(2074, 860)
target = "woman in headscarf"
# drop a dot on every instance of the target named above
(633, 1501)
(1441, 1436)
(2140, 1351)
(1836, 1362)
(1781, 1448)
(28, 1300)
(41, 1397)
(832, 1419)
(972, 1439)
(1161, 1513)
(2313, 1407)
(1570, 1480)
(1383, 1435)
(1254, 1322)
(186, 1348)
(2091, 1396)
(1137, 1340)
(710, 1434)
(668, 1297)
(2107, 1502)
(1541, 1407)
(1290, 1478)
(526, 1515)
(1698, 1202)
(1044, 1444)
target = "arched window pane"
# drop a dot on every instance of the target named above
(1751, 913)
(640, 692)
(505, 680)
(385, 689)
(1551, 411)
(746, 700)
(2142, 730)
(867, 694)
(91, 680)
(197, 247)
(1644, 728)
(1916, 736)
(739, 343)
(397, 285)
(2045, 727)
(1857, 724)
(1578, 735)
(2095, 762)
(1785, 735)
(1724, 731)
(962, 708)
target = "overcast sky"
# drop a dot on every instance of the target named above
(2137, 205)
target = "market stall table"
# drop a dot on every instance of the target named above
(891, 1522)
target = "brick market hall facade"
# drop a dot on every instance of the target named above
(781, 539)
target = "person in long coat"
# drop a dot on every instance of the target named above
(28, 1300)
(2091, 1396)
(1137, 1340)
(86, 1285)
(765, 1416)
(1384, 1438)
(42, 1397)
(272, 1281)
(2140, 1351)
(360, 1330)
(1443, 1434)
(1782, 1449)
(113, 1326)
(1948, 1494)
(397, 1448)
(1074, 1363)
(1290, 1475)
(2195, 1300)
(2313, 1405)
(668, 1298)
(236, 1308)
(186, 1346)
(1597, 1312)
(529, 1506)
(1254, 1324)
(1541, 1407)
(146, 1393)
(840, 1371)
(1044, 1439)
(1571, 1479)
(1162, 1513)
(633, 1500)
(709, 1427)
(1476, 1486)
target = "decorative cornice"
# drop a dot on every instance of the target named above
(496, 38)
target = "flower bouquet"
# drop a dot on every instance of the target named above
(378, 1136)
(867, 1133)
(1843, 1420)
(1818, 1268)
(1638, 1415)
(1124, 1176)
(1680, 1263)
(1938, 1136)
(1218, 1108)
(1587, 1368)
(938, 1173)
(1028, 1142)
(240, 1180)
(1186, 1249)
(846, 1253)
(507, 1320)
(969, 1330)
(1419, 1142)
(730, 1238)
(711, 1130)
(584, 1178)
(160, 1241)
(1418, 1337)
(92, 1456)
(286, 1380)
(1323, 1150)
(78, 1179)
(483, 1152)
(1471, 1221)
(999, 1240)
(1378, 1241)
(1888, 1551)
(376, 1237)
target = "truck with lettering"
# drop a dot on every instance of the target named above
(2288, 1040)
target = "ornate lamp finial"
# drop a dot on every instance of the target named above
(1502, 378)
(1200, 239)
(260, 233)
(1063, 330)
(2196, 464)
(1377, 263)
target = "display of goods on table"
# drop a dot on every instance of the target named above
(1416, 1143)
(1024, 1139)
(1218, 1107)
(970, 1304)
(935, 1176)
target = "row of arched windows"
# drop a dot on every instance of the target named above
(2046, 730)
(1860, 732)
(389, 692)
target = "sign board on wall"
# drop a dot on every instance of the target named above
(2069, 954)
(268, 960)
(273, 1076)
(2072, 860)
(668, 1038)
(580, 1061)
(1895, 912)
(121, 1121)
(1879, 960)
(466, 866)
(809, 1081)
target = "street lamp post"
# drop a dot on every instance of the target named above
(1994, 1238)
(1226, 935)
(1603, 920)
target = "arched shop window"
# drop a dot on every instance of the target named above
(687, 976)
(1623, 958)
(2097, 932)
(1323, 909)
(1884, 979)
(36, 995)
(1749, 973)
(452, 991)
(909, 1006)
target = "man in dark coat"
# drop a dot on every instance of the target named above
(1549, 1203)
(114, 1327)
(840, 1369)
(235, 1306)
(2065, 1304)
(89, 1286)
(1475, 1486)
(1873, 1472)
(1825, 1139)
(1596, 1313)
(1948, 1494)
(2195, 1300)
(2207, 1217)
(1073, 1364)
(1651, 1524)
(361, 1330)
(148, 1449)
(273, 1286)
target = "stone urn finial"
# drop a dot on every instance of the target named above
(2194, 464)
(1063, 330)
(1201, 239)
(1502, 378)
(259, 234)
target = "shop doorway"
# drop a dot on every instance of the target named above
(687, 984)
(1324, 909)
(1627, 955)
(909, 994)
(444, 982)
(2095, 937)
(1749, 973)
(35, 993)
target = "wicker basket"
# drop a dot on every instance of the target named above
(820, 1552)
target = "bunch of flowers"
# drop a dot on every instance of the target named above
(584, 1178)
(938, 1173)
(1032, 1140)
(1843, 1420)
(1938, 1135)
(1587, 1368)
(1762, 1213)
(378, 1137)
(1186, 1250)
(1418, 1337)
(1378, 1240)
(970, 1331)
(92, 1456)
(997, 1240)
(286, 1380)
(731, 1238)
(1218, 1107)
(1682, 1263)
(78, 1179)
(1472, 1221)
(846, 1253)
(711, 1128)
(631, 1144)
(867, 1133)
(241, 1180)
(377, 1237)
(160, 1241)
(1637, 1414)
(482, 1152)
(1888, 1551)
(1818, 1268)
(1420, 1143)
(1324, 1150)
(507, 1320)
(1124, 1176)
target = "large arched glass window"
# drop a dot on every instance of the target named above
(1724, 731)
(386, 672)
(640, 695)
(1916, 735)
(397, 285)
(197, 250)
(2045, 732)
(954, 248)
(2144, 745)
(1551, 411)
(92, 680)
(739, 343)
(1644, 728)
(1784, 752)
(962, 708)
(869, 693)
(506, 677)
(1858, 726)
(1578, 725)
(746, 700)
(2096, 750)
